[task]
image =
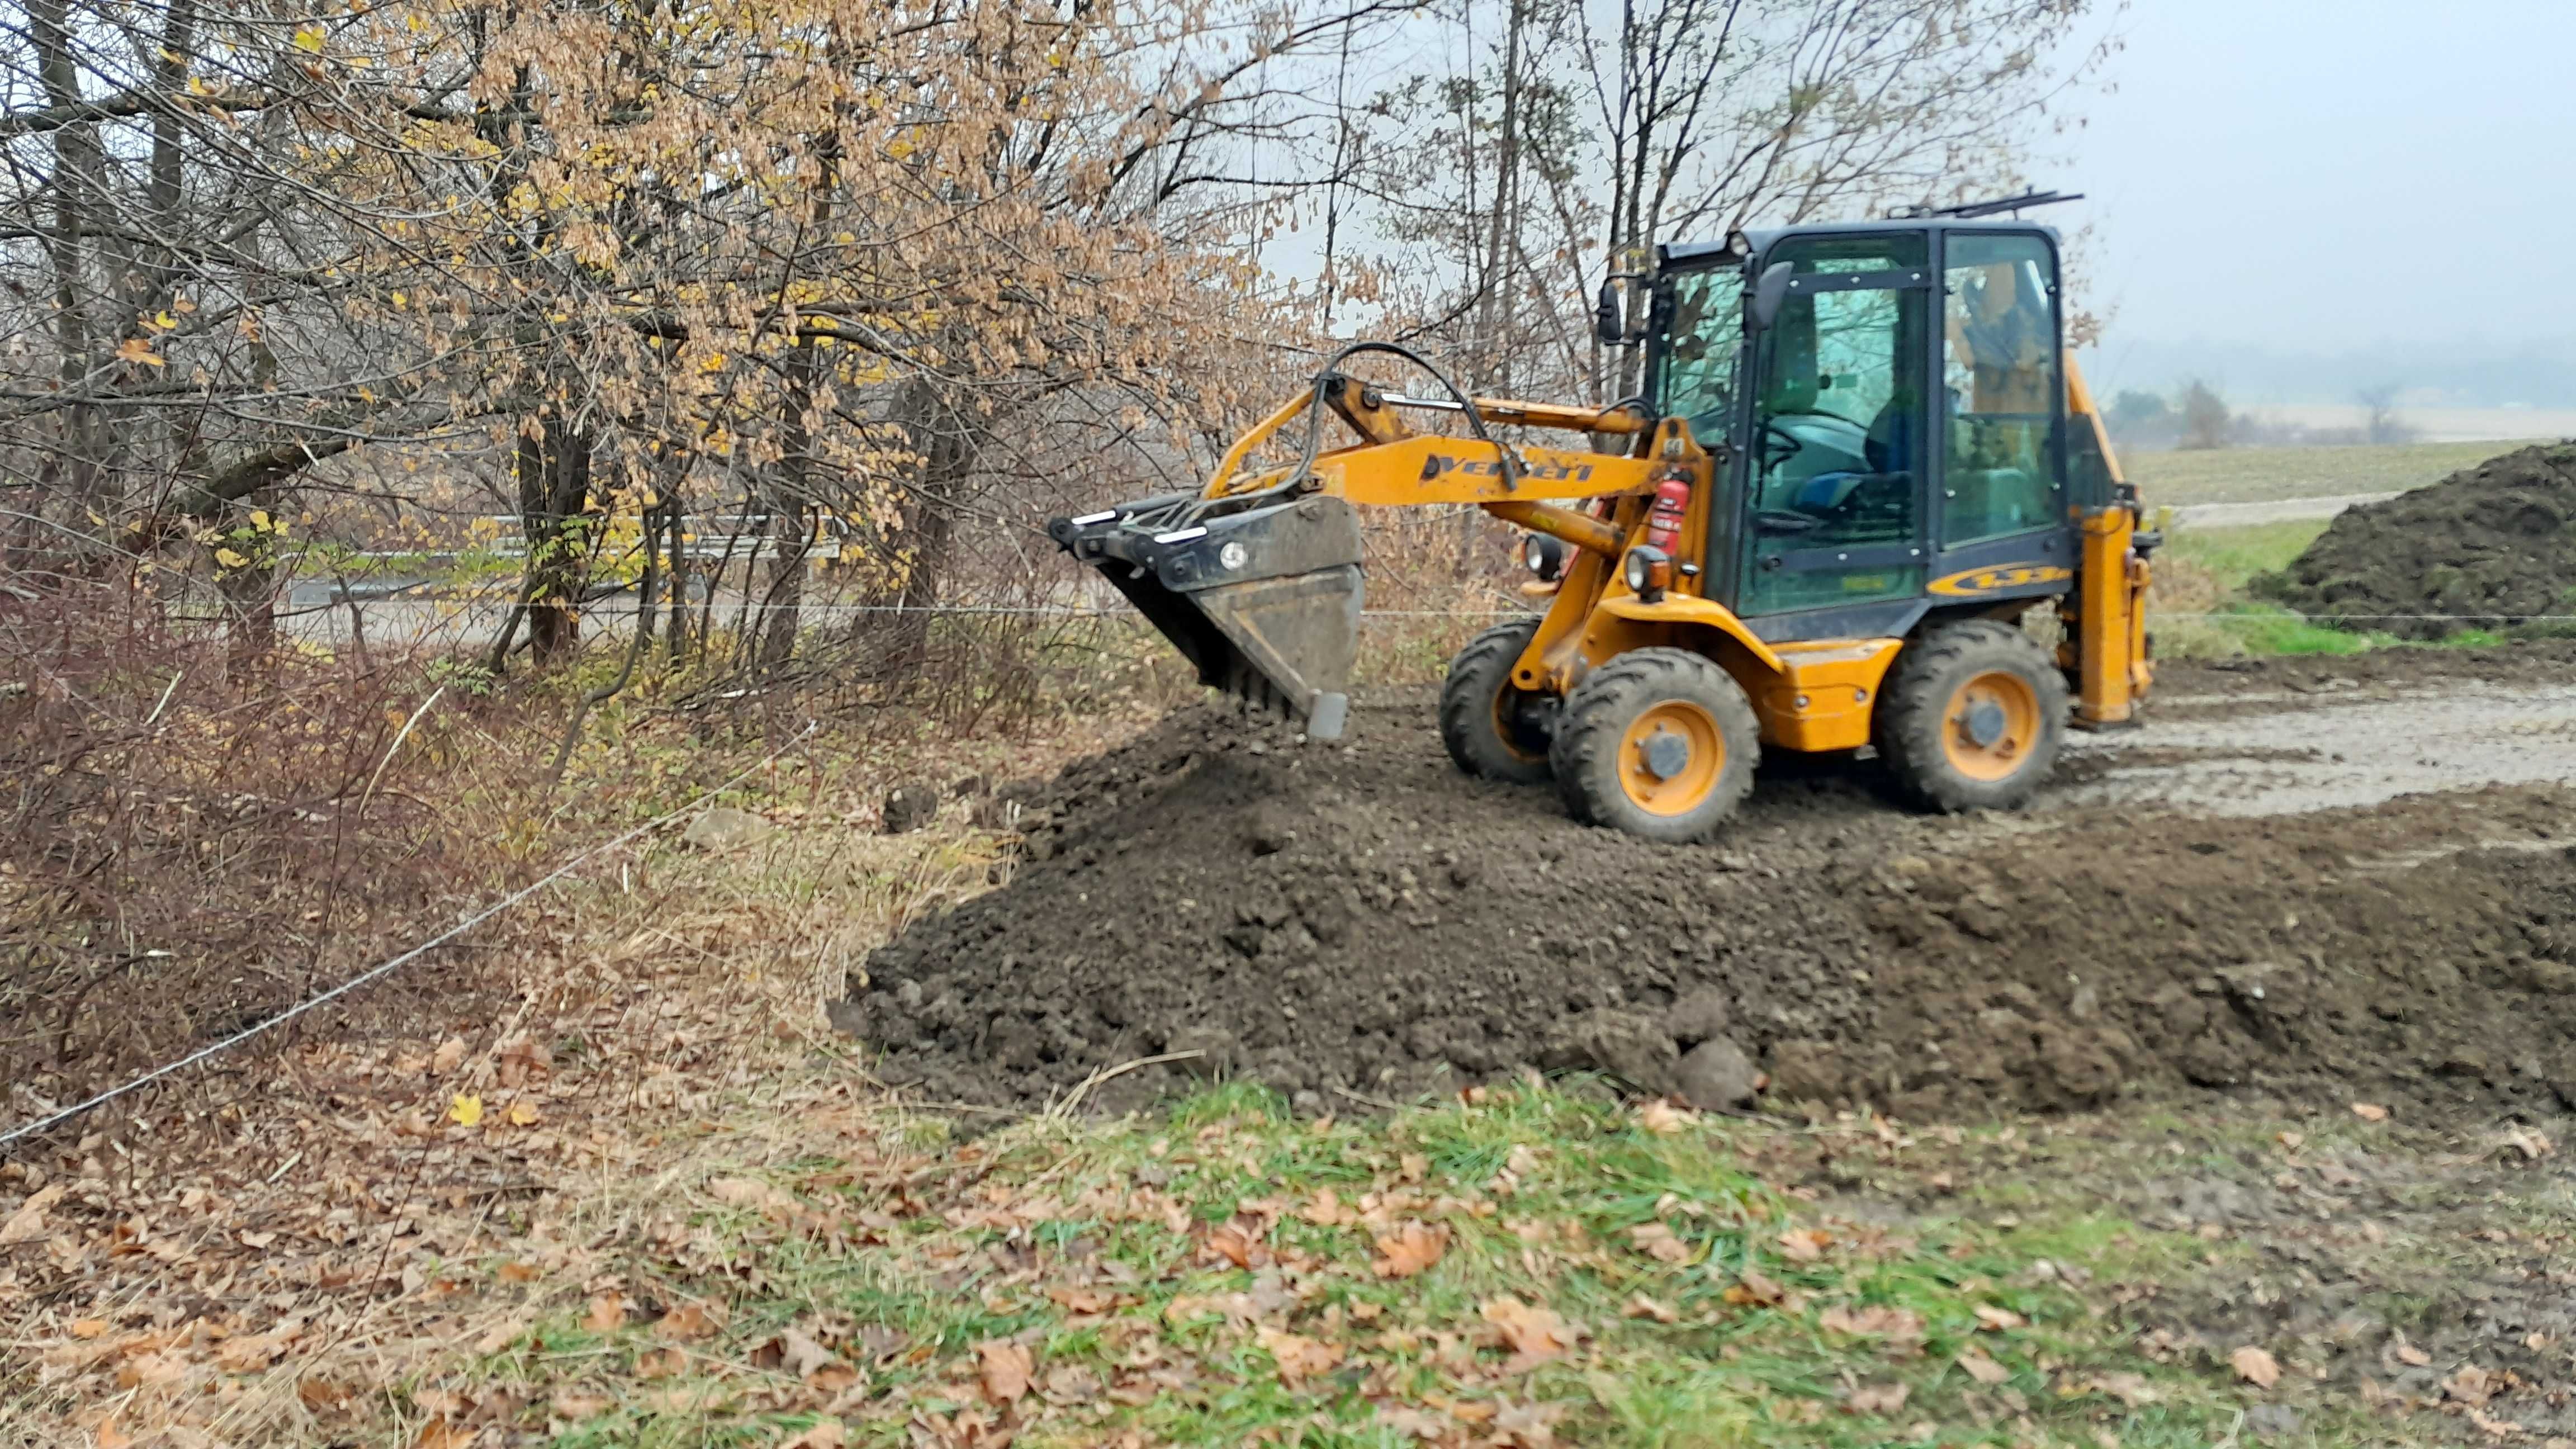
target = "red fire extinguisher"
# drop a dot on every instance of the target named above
(1664, 515)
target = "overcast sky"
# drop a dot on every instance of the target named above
(2332, 174)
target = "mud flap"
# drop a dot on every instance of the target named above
(1265, 602)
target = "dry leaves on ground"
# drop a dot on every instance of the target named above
(1299, 1357)
(1004, 1367)
(1983, 1369)
(1995, 1320)
(2370, 1111)
(2255, 1366)
(1805, 1245)
(1877, 1398)
(1410, 1249)
(1534, 1335)
(1658, 1242)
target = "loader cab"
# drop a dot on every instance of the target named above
(1887, 404)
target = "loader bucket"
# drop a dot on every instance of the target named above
(1265, 602)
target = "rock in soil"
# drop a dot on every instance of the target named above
(723, 829)
(1359, 918)
(910, 807)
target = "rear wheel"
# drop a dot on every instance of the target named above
(1493, 728)
(1659, 743)
(1973, 718)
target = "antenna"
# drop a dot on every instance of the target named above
(1970, 211)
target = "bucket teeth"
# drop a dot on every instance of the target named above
(1265, 602)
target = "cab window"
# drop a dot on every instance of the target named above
(2000, 376)
(1701, 346)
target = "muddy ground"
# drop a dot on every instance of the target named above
(2239, 897)
(2487, 547)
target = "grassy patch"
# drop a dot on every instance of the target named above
(1530, 1265)
(2262, 475)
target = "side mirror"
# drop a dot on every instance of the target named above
(1771, 291)
(1610, 315)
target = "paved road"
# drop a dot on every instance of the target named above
(2286, 510)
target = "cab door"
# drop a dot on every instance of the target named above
(1836, 491)
(2003, 507)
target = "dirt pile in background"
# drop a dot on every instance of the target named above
(2484, 548)
(1359, 922)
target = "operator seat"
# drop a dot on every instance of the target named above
(1887, 447)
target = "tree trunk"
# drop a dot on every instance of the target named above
(918, 556)
(556, 515)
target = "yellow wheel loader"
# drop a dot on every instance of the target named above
(1860, 456)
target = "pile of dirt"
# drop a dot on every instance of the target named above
(2486, 548)
(1358, 922)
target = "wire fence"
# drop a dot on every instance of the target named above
(59, 1117)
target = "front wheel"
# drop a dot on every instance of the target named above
(1495, 729)
(1660, 743)
(1972, 718)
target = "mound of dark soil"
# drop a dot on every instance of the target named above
(1360, 922)
(2485, 548)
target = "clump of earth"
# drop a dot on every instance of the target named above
(2489, 547)
(1356, 923)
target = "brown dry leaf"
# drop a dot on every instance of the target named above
(1662, 1118)
(1005, 1368)
(574, 1406)
(2130, 1389)
(450, 1055)
(88, 1327)
(1754, 1289)
(1230, 1243)
(111, 1437)
(1995, 1320)
(1877, 1398)
(660, 1363)
(1875, 1321)
(607, 1314)
(2471, 1385)
(1326, 1210)
(1657, 1242)
(825, 1434)
(320, 1394)
(1983, 1369)
(754, 1193)
(2370, 1111)
(440, 1434)
(1528, 1426)
(523, 1114)
(1410, 1249)
(2255, 1366)
(1076, 1299)
(1533, 1334)
(1641, 1306)
(2409, 1353)
(27, 1224)
(1299, 1357)
(1805, 1245)
(515, 1271)
(689, 1322)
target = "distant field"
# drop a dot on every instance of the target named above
(2263, 475)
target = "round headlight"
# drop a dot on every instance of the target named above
(1544, 554)
(1232, 555)
(1637, 569)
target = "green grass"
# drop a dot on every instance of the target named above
(1219, 1275)
(2262, 475)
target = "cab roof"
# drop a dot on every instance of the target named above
(1744, 245)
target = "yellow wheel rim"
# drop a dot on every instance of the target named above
(1670, 757)
(1991, 725)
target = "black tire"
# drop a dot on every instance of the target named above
(1949, 725)
(1494, 729)
(1602, 773)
